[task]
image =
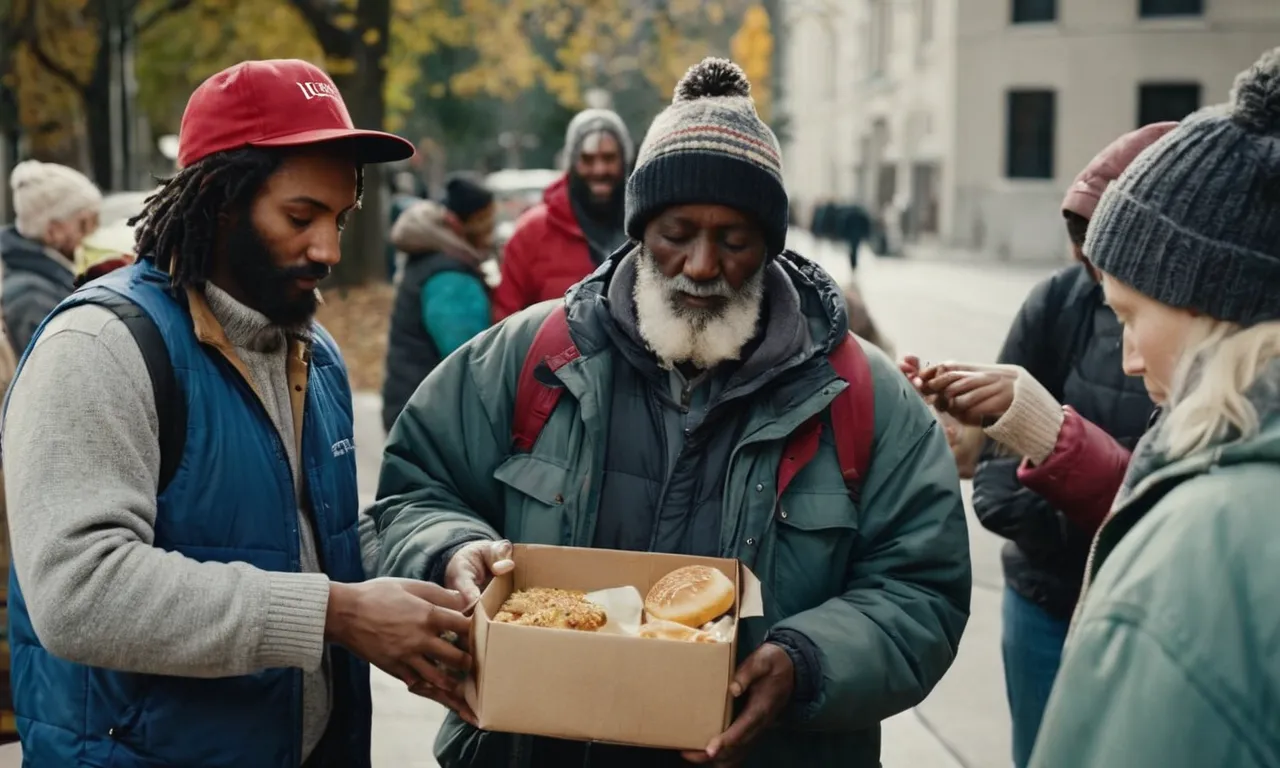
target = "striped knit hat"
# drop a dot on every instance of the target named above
(710, 147)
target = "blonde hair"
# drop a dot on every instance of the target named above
(1211, 402)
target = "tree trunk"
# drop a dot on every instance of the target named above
(364, 249)
(97, 119)
(362, 51)
(364, 242)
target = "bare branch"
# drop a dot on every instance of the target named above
(30, 34)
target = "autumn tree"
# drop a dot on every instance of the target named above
(62, 65)
(752, 47)
(572, 47)
(183, 50)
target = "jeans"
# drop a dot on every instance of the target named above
(1032, 649)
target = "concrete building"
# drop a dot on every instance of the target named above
(870, 96)
(1042, 85)
(973, 116)
(817, 97)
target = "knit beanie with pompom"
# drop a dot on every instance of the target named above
(48, 192)
(710, 148)
(1194, 222)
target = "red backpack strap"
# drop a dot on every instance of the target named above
(535, 401)
(853, 412)
(853, 415)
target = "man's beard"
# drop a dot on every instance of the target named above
(677, 333)
(267, 288)
(606, 210)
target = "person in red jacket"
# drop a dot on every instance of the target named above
(579, 221)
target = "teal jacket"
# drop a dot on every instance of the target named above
(1174, 659)
(880, 588)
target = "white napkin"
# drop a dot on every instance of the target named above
(624, 612)
(623, 607)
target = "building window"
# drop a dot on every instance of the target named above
(1158, 102)
(926, 20)
(1034, 11)
(1157, 8)
(1029, 136)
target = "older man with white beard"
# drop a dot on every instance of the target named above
(706, 406)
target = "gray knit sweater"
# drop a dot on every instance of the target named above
(82, 461)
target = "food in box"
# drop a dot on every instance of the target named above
(600, 685)
(684, 605)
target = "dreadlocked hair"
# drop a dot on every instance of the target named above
(178, 224)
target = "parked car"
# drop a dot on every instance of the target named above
(516, 191)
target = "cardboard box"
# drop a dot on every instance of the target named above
(602, 687)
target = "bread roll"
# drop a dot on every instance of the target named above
(691, 596)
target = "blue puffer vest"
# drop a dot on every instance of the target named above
(231, 499)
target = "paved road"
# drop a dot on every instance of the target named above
(935, 310)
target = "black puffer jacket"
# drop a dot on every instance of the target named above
(1070, 341)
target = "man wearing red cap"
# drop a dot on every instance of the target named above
(189, 587)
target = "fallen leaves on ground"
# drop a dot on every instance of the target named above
(358, 318)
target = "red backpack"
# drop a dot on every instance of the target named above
(853, 409)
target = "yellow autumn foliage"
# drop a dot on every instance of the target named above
(596, 42)
(183, 49)
(49, 107)
(565, 46)
(752, 48)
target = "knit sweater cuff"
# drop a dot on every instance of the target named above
(294, 631)
(1032, 423)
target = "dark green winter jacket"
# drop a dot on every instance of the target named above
(1174, 657)
(877, 590)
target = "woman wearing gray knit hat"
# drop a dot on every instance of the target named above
(1173, 659)
(707, 366)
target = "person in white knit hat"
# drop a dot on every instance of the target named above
(55, 208)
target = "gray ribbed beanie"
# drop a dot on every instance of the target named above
(1195, 220)
(710, 148)
(589, 121)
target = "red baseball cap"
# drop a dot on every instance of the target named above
(276, 103)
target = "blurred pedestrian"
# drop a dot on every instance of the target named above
(104, 251)
(579, 222)
(407, 188)
(442, 300)
(180, 466)
(55, 208)
(856, 229)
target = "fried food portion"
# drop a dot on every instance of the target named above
(555, 608)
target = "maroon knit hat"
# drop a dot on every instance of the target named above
(1085, 192)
